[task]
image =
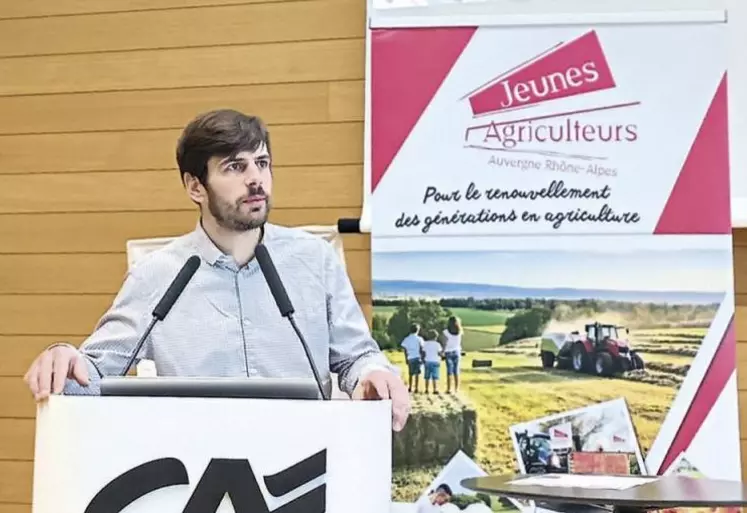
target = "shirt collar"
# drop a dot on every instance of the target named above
(211, 253)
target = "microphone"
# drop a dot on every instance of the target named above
(284, 304)
(348, 225)
(164, 305)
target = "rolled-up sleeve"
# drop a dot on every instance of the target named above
(353, 351)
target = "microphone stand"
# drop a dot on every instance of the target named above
(318, 380)
(284, 305)
(139, 346)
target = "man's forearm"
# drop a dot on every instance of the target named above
(361, 366)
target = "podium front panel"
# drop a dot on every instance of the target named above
(185, 455)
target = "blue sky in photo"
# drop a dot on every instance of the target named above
(706, 270)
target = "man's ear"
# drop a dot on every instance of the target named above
(195, 189)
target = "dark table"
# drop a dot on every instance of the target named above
(659, 493)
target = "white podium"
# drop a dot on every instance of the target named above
(205, 455)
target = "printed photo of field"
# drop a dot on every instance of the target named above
(522, 314)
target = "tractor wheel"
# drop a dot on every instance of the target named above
(548, 359)
(564, 363)
(603, 364)
(636, 361)
(579, 358)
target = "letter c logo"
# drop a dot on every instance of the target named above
(137, 482)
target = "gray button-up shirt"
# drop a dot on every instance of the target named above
(226, 322)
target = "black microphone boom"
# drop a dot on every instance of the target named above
(177, 286)
(284, 304)
(345, 225)
(164, 305)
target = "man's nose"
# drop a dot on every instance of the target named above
(252, 174)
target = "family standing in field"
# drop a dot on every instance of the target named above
(428, 351)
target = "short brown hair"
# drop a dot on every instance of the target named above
(218, 133)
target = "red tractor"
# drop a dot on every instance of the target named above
(601, 351)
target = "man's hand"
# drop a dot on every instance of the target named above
(381, 384)
(47, 374)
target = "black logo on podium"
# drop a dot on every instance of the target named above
(232, 477)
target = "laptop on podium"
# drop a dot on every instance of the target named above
(223, 387)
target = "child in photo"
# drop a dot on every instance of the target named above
(432, 351)
(413, 346)
(452, 336)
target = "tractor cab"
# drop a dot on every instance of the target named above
(600, 334)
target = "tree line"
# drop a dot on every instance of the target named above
(680, 311)
(530, 315)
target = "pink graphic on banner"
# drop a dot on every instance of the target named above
(407, 68)
(575, 68)
(700, 200)
(719, 371)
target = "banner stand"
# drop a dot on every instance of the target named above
(551, 241)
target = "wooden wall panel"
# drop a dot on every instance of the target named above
(108, 232)
(36, 8)
(18, 439)
(19, 352)
(180, 28)
(16, 403)
(83, 273)
(292, 145)
(297, 187)
(93, 98)
(308, 102)
(17, 480)
(60, 315)
(329, 60)
(740, 324)
(14, 508)
(741, 332)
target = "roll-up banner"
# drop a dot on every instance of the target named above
(551, 248)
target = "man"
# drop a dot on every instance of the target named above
(226, 322)
(441, 495)
(437, 500)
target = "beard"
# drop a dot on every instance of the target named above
(231, 216)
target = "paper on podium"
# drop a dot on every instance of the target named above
(212, 455)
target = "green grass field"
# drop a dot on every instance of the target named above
(516, 389)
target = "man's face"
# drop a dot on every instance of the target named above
(239, 190)
(439, 497)
(442, 497)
